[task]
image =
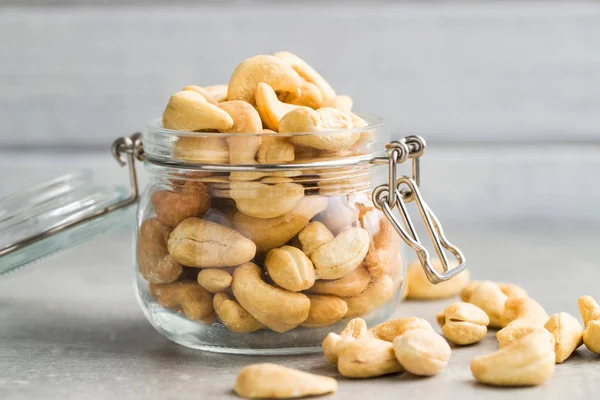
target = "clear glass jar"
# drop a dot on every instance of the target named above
(264, 243)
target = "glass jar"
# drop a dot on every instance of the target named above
(249, 243)
(264, 243)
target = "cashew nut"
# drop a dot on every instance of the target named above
(275, 232)
(260, 381)
(218, 92)
(510, 334)
(310, 96)
(242, 150)
(154, 261)
(356, 329)
(190, 111)
(590, 312)
(214, 280)
(377, 293)
(487, 296)
(567, 332)
(204, 150)
(342, 255)
(201, 91)
(419, 287)
(463, 323)
(185, 297)
(366, 358)
(523, 311)
(509, 290)
(422, 352)
(307, 73)
(269, 107)
(350, 285)
(268, 69)
(528, 361)
(313, 236)
(173, 207)
(324, 310)
(343, 103)
(290, 268)
(233, 316)
(277, 309)
(261, 200)
(204, 244)
(304, 119)
(275, 150)
(391, 329)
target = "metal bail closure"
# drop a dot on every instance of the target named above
(403, 189)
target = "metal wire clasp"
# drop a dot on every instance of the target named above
(403, 189)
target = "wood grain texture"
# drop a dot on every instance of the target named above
(450, 71)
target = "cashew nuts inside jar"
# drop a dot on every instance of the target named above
(257, 232)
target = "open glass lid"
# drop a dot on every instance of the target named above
(64, 211)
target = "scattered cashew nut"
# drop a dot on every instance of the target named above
(567, 332)
(391, 329)
(463, 323)
(590, 312)
(366, 358)
(422, 352)
(261, 381)
(523, 311)
(356, 329)
(528, 361)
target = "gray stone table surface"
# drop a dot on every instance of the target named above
(70, 327)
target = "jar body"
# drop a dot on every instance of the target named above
(266, 261)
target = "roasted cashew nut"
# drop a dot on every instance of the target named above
(463, 323)
(324, 310)
(242, 150)
(391, 329)
(185, 297)
(270, 108)
(356, 329)
(567, 332)
(290, 268)
(342, 255)
(233, 315)
(590, 312)
(422, 352)
(190, 111)
(154, 261)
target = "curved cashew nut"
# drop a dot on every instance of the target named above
(422, 352)
(242, 150)
(270, 108)
(201, 91)
(509, 290)
(209, 150)
(304, 119)
(510, 334)
(154, 261)
(276, 150)
(567, 332)
(190, 111)
(290, 268)
(275, 308)
(366, 358)
(374, 296)
(590, 312)
(262, 200)
(342, 255)
(189, 298)
(420, 288)
(523, 311)
(528, 361)
(199, 243)
(391, 329)
(350, 285)
(313, 236)
(268, 69)
(214, 280)
(463, 323)
(487, 296)
(324, 310)
(307, 73)
(233, 316)
(356, 329)
(261, 381)
(173, 207)
(275, 232)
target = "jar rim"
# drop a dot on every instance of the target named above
(373, 123)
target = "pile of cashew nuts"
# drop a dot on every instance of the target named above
(530, 343)
(253, 250)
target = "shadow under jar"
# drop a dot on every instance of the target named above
(264, 243)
